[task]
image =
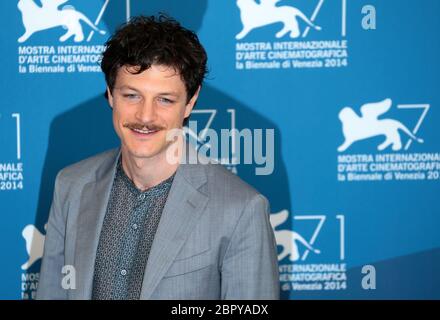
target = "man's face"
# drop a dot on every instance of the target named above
(147, 105)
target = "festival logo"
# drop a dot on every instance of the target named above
(303, 264)
(255, 15)
(49, 15)
(61, 36)
(216, 138)
(357, 128)
(288, 46)
(390, 141)
(34, 240)
(11, 165)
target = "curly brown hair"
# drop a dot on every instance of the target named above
(161, 40)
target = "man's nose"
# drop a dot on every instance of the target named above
(146, 111)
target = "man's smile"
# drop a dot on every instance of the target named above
(144, 133)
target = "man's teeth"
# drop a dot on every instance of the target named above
(144, 131)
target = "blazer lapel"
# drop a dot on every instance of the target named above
(92, 209)
(182, 210)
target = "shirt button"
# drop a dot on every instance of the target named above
(123, 272)
(142, 196)
(135, 226)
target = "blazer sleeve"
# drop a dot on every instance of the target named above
(49, 286)
(250, 265)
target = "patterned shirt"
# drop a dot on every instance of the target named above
(126, 237)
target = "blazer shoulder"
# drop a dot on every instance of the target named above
(86, 169)
(222, 181)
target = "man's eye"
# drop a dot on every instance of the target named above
(131, 96)
(165, 101)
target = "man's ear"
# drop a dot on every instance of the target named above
(110, 97)
(190, 105)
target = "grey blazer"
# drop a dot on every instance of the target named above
(214, 239)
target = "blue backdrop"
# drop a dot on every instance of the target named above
(350, 88)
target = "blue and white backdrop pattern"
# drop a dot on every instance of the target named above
(349, 88)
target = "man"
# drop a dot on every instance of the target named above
(133, 223)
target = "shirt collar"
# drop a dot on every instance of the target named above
(160, 188)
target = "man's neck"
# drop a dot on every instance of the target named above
(147, 172)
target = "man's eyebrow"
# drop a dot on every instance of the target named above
(126, 87)
(161, 93)
(169, 93)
